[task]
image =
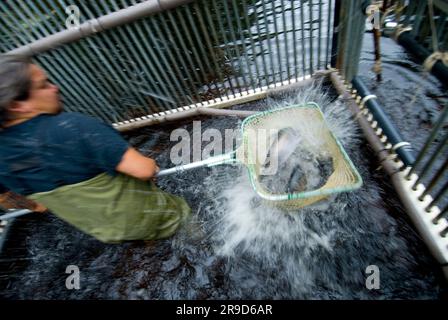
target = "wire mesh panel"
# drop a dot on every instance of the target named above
(203, 51)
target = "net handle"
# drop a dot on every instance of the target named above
(209, 162)
(15, 214)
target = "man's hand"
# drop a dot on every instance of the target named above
(11, 200)
(39, 208)
(154, 178)
(137, 165)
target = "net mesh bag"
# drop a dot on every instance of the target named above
(314, 142)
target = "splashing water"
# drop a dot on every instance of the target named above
(307, 253)
(249, 224)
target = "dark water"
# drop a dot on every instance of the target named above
(236, 247)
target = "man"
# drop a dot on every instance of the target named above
(76, 166)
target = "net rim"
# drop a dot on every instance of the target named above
(305, 194)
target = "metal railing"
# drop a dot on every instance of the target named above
(431, 166)
(422, 28)
(193, 55)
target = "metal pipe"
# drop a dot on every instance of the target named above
(277, 42)
(410, 12)
(268, 40)
(116, 65)
(419, 16)
(431, 138)
(220, 112)
(8, 19)
(286, 49)
(311, 63)
(228, 53)
(193, 76)
(302, 29)
(233, 43)
(435, 179)
(192, 17)
(336, 27)
(401, 147)
(347, 38)
(441, 215)
(100, 24)
(169, 64)
(294, 40)
(319, 36)
(442, 192)
(356, 32)
(260, 43)
(429, 164)
(377, 45)
(180, 15)
(409, 43)
(243, 42)
(213, 49)
(329, 23)
(76, 59)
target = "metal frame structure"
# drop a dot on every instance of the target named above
(129, 61)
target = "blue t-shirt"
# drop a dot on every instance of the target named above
(49, 151)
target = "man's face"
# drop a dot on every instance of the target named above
(43, 96)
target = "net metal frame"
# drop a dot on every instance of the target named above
(344, 178)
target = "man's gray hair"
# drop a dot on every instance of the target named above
(15, 81)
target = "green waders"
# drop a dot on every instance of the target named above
(114, 209)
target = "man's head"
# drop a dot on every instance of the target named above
(25, 91)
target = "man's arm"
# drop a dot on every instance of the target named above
(134, 164)
(105, 148)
